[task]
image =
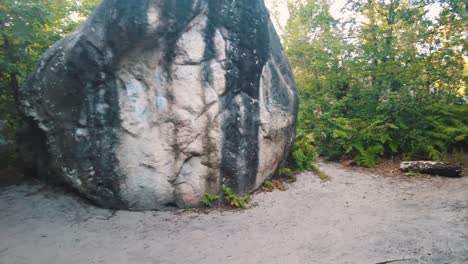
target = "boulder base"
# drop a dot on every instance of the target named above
(153, 103)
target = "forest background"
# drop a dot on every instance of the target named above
(386, 82)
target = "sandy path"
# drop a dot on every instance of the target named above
(355, 218)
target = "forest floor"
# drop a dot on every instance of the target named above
(358, 216)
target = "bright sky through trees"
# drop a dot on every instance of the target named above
(280, 13)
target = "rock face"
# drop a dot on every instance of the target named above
(151, 103)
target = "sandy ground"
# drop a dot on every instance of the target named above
(354, 218)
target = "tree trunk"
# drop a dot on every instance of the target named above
(432, 167)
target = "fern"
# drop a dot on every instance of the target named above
(234, 200)
(210, 199)
(304, 154)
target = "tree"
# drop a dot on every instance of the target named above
(383, 84)
(446, 59)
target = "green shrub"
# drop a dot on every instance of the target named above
(322, 176)
(287, 173)
(304, 155)
(396, 124)
(209, 199)
(271, 184)
(268, 185)
(234, 200)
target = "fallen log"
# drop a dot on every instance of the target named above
(432, 167)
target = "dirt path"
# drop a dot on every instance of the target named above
(354, 218)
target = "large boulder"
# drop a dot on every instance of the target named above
(153, 103)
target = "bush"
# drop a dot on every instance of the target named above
(229, 197)
(209, 199)
(234, 200)
(271, 184)
(400, 125)
(304, 155)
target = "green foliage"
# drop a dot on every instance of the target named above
(209, 199)
(392, 86)
(234, 200)
(229, 197)
(271, 184)
(409, 129)
(304, 155)
(268, 185)
(286, 173)
(445, 129)
(411, 173)
(322, 176)
(366, 141)
(27, 29)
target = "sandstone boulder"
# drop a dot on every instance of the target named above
(151, 103)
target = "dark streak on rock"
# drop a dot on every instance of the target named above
(247, 53)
